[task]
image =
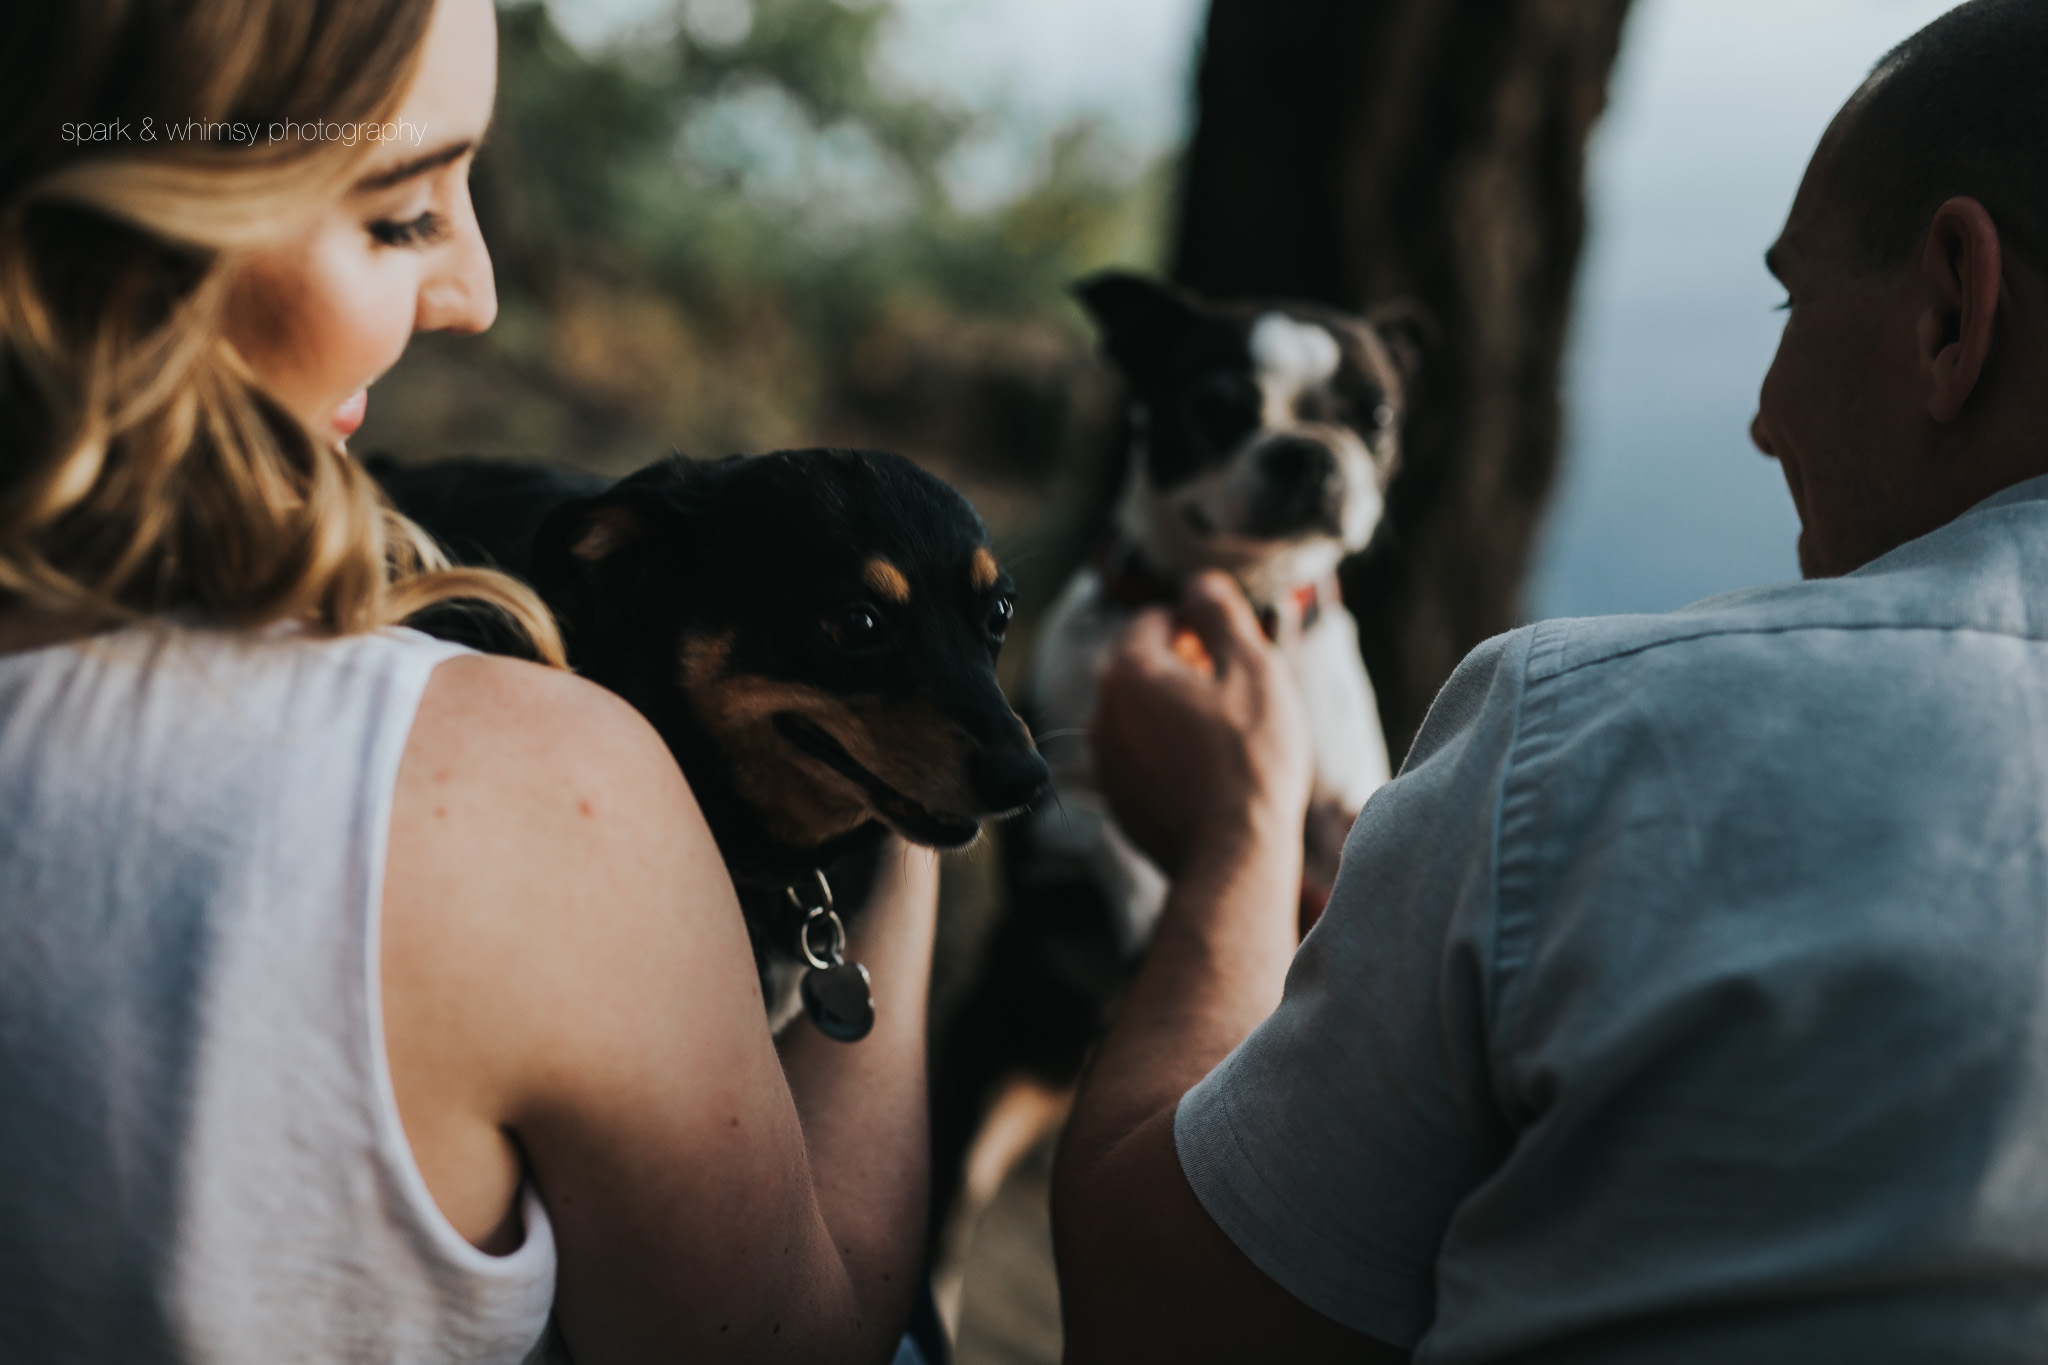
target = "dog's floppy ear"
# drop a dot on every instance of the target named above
(589, 553)
(1138, 317)
(1409, 332)
(582, 541)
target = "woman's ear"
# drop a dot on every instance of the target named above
(1963, 268)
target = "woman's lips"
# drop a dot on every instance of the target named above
(349, 415)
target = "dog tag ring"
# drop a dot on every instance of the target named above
(835, 992)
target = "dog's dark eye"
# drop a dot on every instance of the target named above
(999, 618)
(856, 629)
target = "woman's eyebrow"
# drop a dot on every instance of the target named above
(419, 165)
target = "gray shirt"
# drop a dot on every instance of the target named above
(1683, 998)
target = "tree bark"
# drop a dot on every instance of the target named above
(1357, 152)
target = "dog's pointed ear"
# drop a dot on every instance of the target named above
(1410, 334)
(1137, 317)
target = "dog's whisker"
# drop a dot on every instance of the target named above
(1065, 823)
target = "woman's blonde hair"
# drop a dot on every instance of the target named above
(143, 469)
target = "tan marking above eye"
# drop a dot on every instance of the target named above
(887, 580)
(984, 571)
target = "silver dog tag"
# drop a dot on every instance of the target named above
(835, 992)
(839, 1001)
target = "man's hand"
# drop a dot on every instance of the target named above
(1206, 763)
(1197, 754)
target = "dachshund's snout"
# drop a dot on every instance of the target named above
(1008, 780)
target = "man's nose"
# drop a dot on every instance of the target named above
(1760, 436)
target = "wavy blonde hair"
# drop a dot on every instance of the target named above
(143, 468)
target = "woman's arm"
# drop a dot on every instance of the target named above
(864, 1105)
(567, 979)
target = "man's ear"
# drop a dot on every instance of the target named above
(1410, 334)
(1963, 267)
(1137, 317)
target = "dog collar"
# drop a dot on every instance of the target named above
(1132, 583)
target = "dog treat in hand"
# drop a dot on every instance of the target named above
(1188, 647)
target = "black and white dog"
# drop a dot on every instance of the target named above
(1262, 440)
(1262, 437)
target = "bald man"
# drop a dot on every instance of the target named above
(1686, 996)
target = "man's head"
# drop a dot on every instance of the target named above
(1912, 378)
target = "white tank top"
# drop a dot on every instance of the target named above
(200, 1155)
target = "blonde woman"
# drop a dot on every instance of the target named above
(359, 999)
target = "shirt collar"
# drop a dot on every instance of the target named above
(2026, 490)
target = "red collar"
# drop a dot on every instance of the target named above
(1130, 582)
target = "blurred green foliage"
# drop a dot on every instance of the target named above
(781, 162)
(749, 238)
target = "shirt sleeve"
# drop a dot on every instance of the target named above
(1335, 1143)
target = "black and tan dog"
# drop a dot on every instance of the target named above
(814, 634)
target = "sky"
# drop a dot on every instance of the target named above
(1716, 105)
(1130, 61)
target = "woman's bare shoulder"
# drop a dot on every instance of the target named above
(532, 729)
(529, 799)
(559, 933)
(545, 848)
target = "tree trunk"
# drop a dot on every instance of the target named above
(1361, 151)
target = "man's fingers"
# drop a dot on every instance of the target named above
(1214, 607)
(1148, 640)
(1143, 658)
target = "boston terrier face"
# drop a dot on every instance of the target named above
(1263, 434)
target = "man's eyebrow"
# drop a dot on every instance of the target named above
(1774, 261)
(419, 165)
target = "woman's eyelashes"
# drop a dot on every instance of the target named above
(420, 231)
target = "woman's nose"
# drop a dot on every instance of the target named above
(461, 295)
